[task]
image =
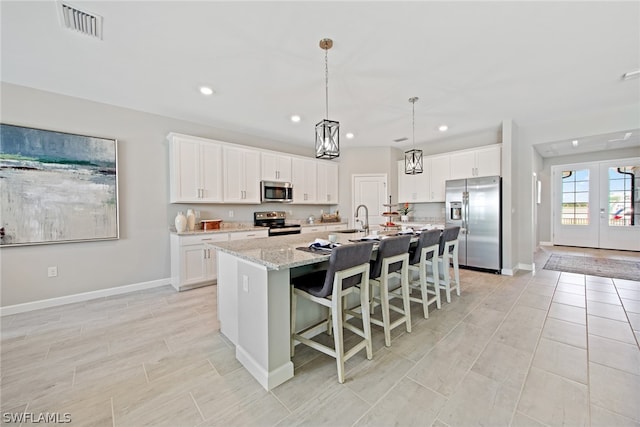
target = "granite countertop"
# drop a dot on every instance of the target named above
(279, 252)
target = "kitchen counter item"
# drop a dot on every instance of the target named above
(211, 224)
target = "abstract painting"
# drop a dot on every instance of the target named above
(56, 187)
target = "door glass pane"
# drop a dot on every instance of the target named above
(575, 197)
(623, 196)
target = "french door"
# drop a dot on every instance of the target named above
(597, 204)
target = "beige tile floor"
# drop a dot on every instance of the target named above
(530, 350)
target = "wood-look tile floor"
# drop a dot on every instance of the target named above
(539, 349)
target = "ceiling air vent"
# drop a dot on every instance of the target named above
(83, 22)
(400, 139)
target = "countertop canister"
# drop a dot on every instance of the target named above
(181, 222)
(191, 220)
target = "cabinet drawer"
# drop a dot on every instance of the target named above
(199, 239)
(314, 229)
(336, 227)
(248, 234)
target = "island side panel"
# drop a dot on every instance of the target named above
(228, 295)
(263, 323)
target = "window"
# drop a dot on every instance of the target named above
(622, 196)
(575, 197)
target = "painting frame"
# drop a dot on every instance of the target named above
(57, 187)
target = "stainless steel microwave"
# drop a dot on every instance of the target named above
(271, 191)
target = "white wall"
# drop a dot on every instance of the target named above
(142, 252)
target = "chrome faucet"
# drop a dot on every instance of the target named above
(365, 226)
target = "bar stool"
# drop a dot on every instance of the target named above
(392, 260)
(447, 256)
(426, 255)
(348, 267)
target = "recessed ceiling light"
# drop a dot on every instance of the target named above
(350, 135)
(295, 118)
(205, 90)
(574, 142)
(443, 128)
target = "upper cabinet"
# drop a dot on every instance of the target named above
(439, 167)
(427, 186)
(276, 167)
(327, 178)
(194, 170)
(412, 188)
(484, 161)
(207, 171)
(241, 170)
(304, 178)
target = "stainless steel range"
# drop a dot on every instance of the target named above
(275, 220)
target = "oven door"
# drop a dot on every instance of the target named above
(276, 192)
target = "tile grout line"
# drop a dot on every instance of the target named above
(533, 355)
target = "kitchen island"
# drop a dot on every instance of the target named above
(254, 279)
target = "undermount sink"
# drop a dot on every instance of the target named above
(349, 231)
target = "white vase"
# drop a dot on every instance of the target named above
(181, 223)
(404, 218)
(191, 220)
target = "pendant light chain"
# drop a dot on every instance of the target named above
(413, 101)
(326, 82)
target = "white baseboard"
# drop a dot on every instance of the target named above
(508, 271)
(545, 243)
(527, 267)
(84, 296)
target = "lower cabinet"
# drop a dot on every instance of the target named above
(193, 262)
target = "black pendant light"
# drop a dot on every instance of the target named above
(413, 157)
(327, 131)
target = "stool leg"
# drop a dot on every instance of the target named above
(336, 309)
(405, 294)
(456, 272)
(384, 300)
(446, 276)
(366, 317)
(423, 289)
(436, 282)
(293, 320)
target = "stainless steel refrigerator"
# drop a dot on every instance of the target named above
(474, 204)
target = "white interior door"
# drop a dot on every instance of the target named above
(596, 204)
(371, 191)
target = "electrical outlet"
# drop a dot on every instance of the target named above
(52, 271)
(230, 214)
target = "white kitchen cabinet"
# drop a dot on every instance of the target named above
(241, 175)
(253, 234)
(484, 161)
(439, 167)
(412, 188)
(193, 263)
(336, 227)
(312, 229)
(276, 167)
(194, 169)
(327, 182)
(304, 179)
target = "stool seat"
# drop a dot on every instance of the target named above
(348, 268)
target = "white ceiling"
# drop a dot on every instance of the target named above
(472, 64)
